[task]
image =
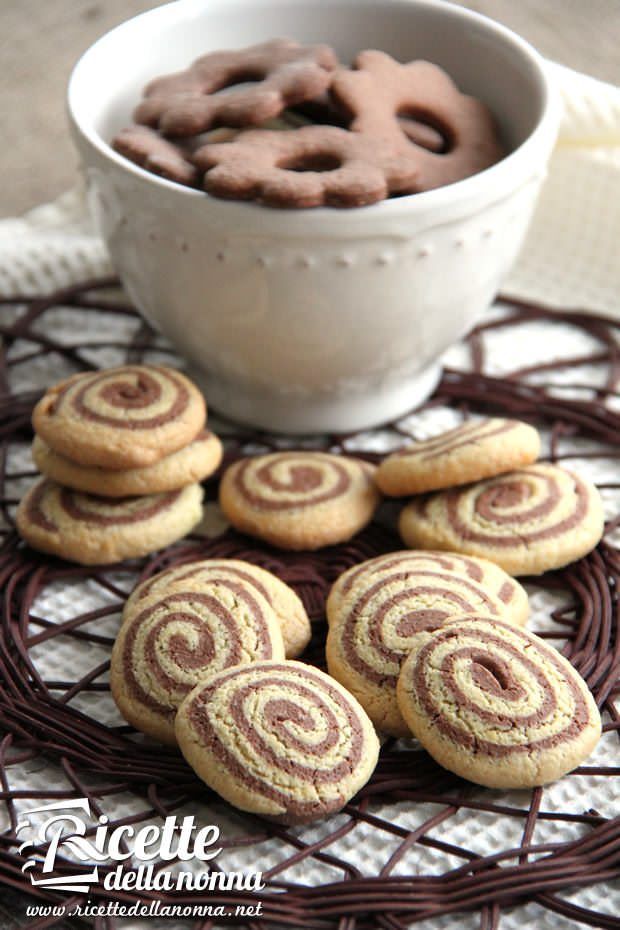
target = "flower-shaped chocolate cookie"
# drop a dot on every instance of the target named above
(383, 96)
(282, 73)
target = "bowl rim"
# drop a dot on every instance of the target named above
(497, 178)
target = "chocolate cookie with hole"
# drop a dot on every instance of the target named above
(260, 82)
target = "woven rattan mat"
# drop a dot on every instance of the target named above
(417, 846)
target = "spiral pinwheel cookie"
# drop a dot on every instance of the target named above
(194, 462)
(299, 500)
(173, 636)
(528, 521)
(98, 530)
(477, 449)
(280, 739)
(289, 610)
(376, 610)
(124, 417)
(497, 705)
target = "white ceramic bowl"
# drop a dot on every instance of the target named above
(323, 319)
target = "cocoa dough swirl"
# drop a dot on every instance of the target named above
(495, 690)
(291, 480)
(129, 398)
(262, 585)
(35, 506)
(530, 505)
(49, 502)
(465, 435)
(105, 511)
(183, 635)
(284, 732)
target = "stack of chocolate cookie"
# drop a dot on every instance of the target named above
(377, 129)
(122, 452)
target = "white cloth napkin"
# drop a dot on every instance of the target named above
(570, 258)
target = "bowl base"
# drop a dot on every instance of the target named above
(300, 414)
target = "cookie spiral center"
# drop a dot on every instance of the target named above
(300, 478)
(489, 674)
(187, 652)
(141, 393)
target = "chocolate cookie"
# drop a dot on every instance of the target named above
(282, 73)
(477, 449)
(308, 167)
(496, 705)
(99, 530)
(528, 521)
(380, 92)
(150, 151)
(280, 739)
(299, 500)
(376, 609)
(125, 417)
(292, 617)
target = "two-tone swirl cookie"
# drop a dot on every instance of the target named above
(280, 739)
(528, 521)
(172, 636)
(477, 449)
(98, 530)
(194, 462)
(125, 417)
(299, 500)
(203, 575)
(496, 705)
(376, 609)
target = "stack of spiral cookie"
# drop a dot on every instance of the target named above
(122, 453)
(201, 659)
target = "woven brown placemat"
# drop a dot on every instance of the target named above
(38, 719)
